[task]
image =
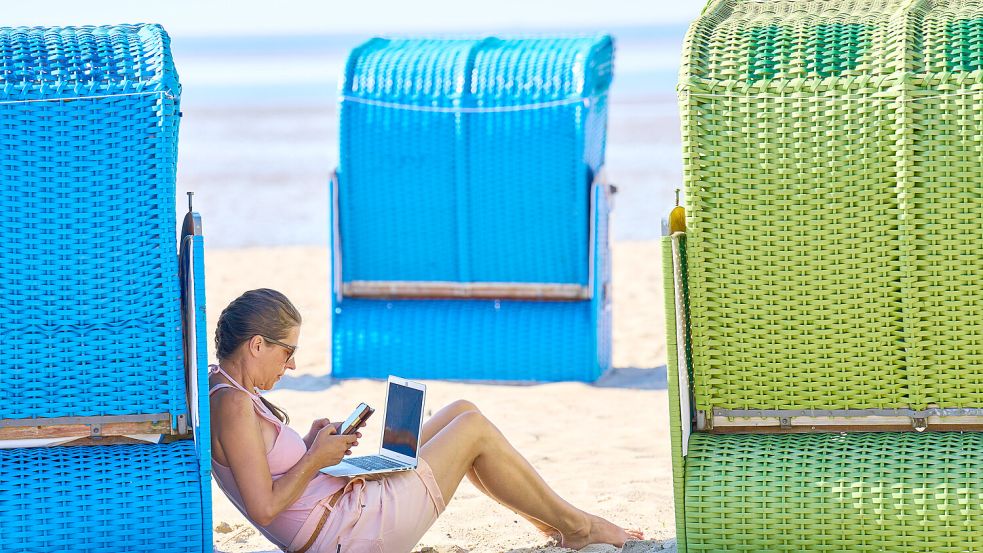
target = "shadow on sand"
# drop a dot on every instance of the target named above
(306, 382)
(627, 377)
(639, 379)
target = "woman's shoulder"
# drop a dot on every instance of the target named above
(228, 400)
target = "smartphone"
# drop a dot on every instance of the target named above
(358, 416)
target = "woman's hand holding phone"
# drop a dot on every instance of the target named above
(316, 427)
(336, 435)
(328, 447)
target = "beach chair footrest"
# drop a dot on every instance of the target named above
(134, 498)
(886, 492)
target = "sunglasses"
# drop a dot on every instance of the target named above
(291, 349)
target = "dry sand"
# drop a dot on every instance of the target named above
(603, 446)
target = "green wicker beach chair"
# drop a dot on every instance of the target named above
(825, 305)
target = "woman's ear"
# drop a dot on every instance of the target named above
(255, 345)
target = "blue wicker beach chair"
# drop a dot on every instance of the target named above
(101, 317)
(470, 210)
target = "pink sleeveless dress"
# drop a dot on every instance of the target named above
(388, 515)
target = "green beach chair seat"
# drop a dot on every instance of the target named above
(855, 491)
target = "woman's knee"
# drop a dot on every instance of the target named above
(467, 431)
(461, 406)
(473, 423)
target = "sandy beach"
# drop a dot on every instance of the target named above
(577, 435)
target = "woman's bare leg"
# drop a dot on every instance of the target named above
(442, 418)
(470, 441)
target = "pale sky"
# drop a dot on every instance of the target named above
(268, 17)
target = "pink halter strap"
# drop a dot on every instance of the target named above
(213, 369)
(218, 369)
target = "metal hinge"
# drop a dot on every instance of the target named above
(704, 421)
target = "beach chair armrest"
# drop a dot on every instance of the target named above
(192, 274)
(677, 332)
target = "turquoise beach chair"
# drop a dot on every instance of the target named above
(101, 316)
(470, 210)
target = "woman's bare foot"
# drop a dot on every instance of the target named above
(598, 530)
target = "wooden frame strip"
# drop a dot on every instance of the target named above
(455, 290)
(85, 427)
(726, 421)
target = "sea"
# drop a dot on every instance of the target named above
(259, 132)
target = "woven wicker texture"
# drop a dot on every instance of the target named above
(471, 196)
(833, 175)
(89, 310)
(943, 176)
(134, 498)
(474, 339)
(72, 62)
(835, 492)
(472, 161)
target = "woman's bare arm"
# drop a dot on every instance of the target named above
(241, 438)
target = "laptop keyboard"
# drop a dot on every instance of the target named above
(374, 462)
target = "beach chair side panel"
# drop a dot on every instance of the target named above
(943, 180)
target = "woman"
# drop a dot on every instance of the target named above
(272, 474)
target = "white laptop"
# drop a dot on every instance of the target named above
(400, 434)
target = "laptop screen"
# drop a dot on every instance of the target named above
(404, 408)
